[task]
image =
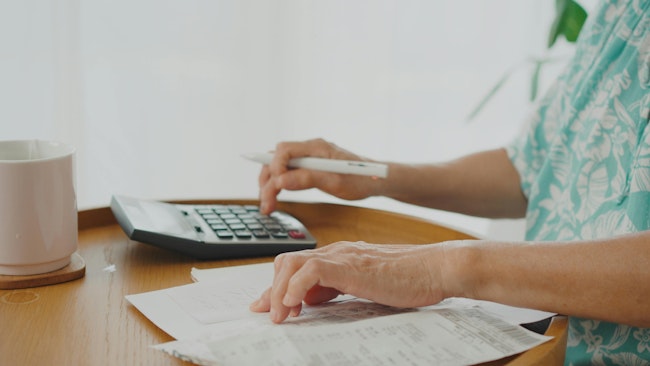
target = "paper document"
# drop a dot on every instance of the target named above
(212, 324)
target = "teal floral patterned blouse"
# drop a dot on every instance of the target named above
(584, 161)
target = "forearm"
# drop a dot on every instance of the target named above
(483, 184)
(605, 279)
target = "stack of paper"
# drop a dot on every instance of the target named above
(212, 324)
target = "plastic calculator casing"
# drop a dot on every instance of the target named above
(210, 231)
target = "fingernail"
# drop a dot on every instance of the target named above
(264, 206)
(295, 311)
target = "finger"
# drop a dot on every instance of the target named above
(320, 277)
(265, 175)
(319, 294)
(279, 163)
(288, 150)
(314, 147)
(272, 183)
(268, 196)
(263, 303)
(267, 193)
(340, 185)
(299, 179)
(285, 266)
(295, 311)
(293, 180)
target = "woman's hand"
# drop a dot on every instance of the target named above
(395, 275)
(277, 176)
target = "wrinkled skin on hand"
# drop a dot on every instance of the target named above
(395, 275)
(276, 176)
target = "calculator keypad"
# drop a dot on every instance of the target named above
(246, 222)
(211, 231)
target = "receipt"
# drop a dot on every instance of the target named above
(427, 337)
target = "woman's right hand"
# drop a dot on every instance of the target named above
(277, 176)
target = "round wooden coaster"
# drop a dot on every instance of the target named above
(76, 269)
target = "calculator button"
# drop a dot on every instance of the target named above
(243, 233)
(247, 225)
(210, 216)
(224, 234)
(279, 234)
(296, 234)
(260, 234)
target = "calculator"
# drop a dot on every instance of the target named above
(210, 231)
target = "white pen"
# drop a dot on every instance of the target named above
(327, 165)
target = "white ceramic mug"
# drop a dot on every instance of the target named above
(38, 206)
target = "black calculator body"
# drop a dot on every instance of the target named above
(210, 231)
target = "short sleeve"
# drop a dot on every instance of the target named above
(528, 151)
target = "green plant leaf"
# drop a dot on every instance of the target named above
(534, 82)
(537, 63)
(569, 19)
(490, 94)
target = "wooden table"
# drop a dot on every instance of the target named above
(88, 321)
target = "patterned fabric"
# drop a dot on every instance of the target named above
(584, 161)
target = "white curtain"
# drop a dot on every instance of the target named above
(161, 97)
